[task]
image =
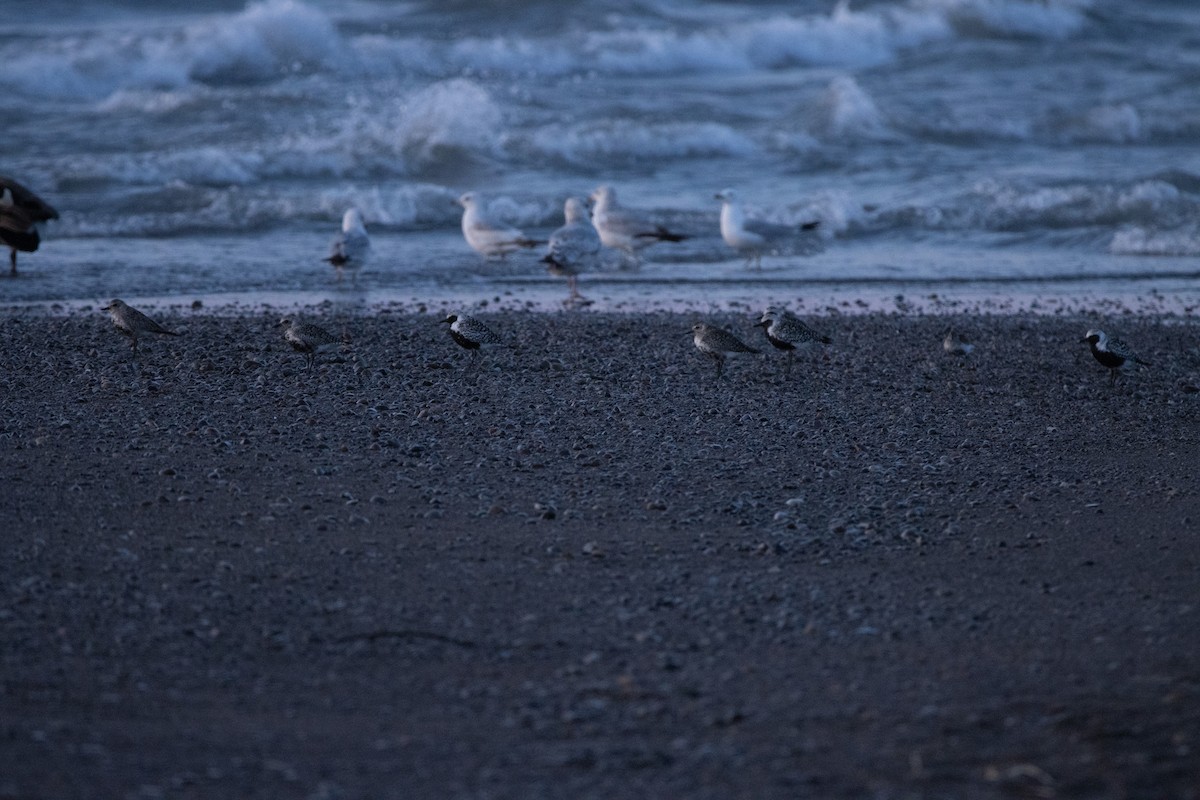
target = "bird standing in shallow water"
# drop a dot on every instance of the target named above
(574, 248)
(20, 212)
(351, 247)
(623, 228)
(470, 333)
(750, 237)
(486, 237)
(308, 339)
(715, 342)
(130, 322)
(1111, 352)
(787, 332)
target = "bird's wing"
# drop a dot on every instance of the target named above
(35, 207)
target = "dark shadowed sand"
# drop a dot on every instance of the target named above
(582, 568)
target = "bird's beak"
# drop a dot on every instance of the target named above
(762, 323)
(1083, 340)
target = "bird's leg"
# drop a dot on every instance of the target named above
(791, 356)
(720, 359)
(12, 256)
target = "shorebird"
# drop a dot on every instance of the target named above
(308, 339)
(750, 237)
(574, 248)
(787, 332)
(486, 237)
(470, 333)
(1111, 352)
(20, 212)
(352, 246)
(130, 322)
(625, 229)
(715, 342)
(956, 344)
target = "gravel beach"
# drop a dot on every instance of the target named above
(577, 565)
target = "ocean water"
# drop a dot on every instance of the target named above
(207, 149)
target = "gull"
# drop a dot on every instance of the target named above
(308, 339)
(1111, 352)
(956, 344)
(470, 333)
(574, 248)
(130, 322)
(715, 342)
(20, 212)
(787, 332)
(750, 237)
(352, 246)
(625, 229)
(486, 237)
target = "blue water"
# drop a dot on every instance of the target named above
(209, 148)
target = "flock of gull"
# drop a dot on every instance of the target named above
(571, 250)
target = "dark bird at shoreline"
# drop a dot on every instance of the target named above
(469, 333)
(715, 342)
(308, 339)
(20, 212)
(1111, 352)
(130, 322)
(787, 332)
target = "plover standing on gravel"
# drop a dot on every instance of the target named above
(787, 332)
(715, 342)
(20, 212)
(1111, 352)
(308, 339)
(956, 344)
(470, 333)
(486, 237)
(130, 322)
(574, 248)
(352, 246)
(625, 229)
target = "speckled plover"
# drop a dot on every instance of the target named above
(625, 229)
(20, 212)
(349, 251)
(787, 332)
(486, 237)
(750, 237)
(309, 340)
(470, 333)
(573, 248)
(1111, 352)
(715, 342)
(130, 322)
(956, 344)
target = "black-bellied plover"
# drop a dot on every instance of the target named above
(349, 251)
(1111, 352)
(130, 322)
(573, 248)
(309, 340)
(470, 333)
(626, 229)
(715, 342)
(490, 238)
(956, 344)
(750, 237)
(787, 332)
(20, 212)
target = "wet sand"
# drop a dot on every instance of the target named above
(581, 567)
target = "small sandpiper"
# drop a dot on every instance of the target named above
(470, 333)
(787, 332)
(956, 344)
(715, 342)
(130, 322)
(309, 340)
(1111, 352)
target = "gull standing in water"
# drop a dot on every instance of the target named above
(486, 237)
(20, 212)
(625, 229)
(750, 237)
(351, 247)
(574, 248)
